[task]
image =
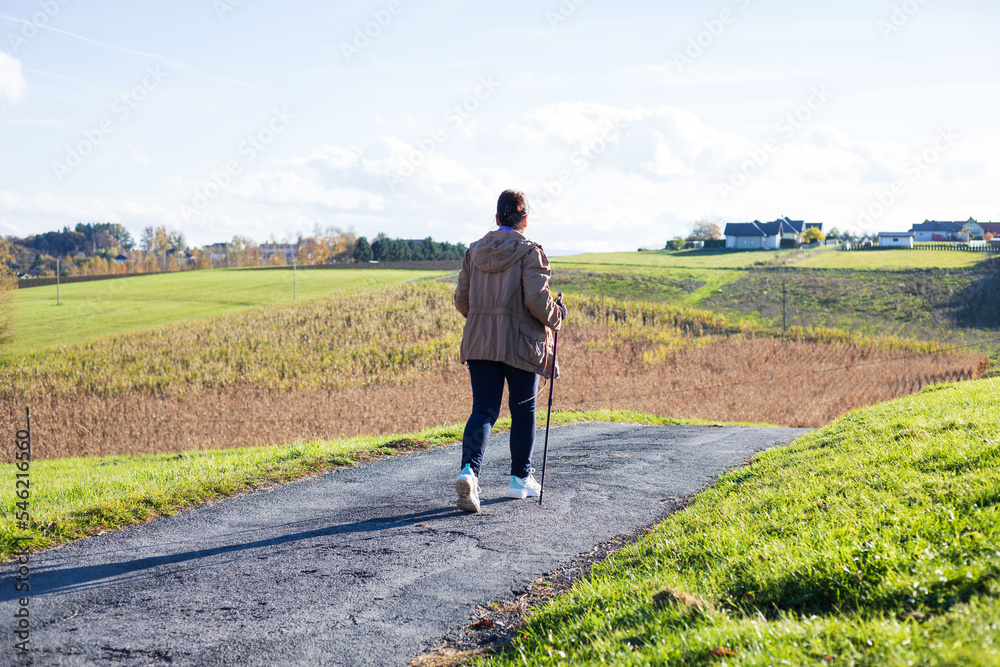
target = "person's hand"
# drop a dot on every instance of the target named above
(565, 313)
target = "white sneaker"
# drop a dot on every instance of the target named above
(467, 487)
(524, 487)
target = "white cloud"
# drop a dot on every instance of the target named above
(633, 177)
(12, 82)
(137, 156)
(332, 157)
(290, 188)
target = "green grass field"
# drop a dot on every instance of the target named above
(101, 308)
(872, 541)
(678, 286)
(889, 260)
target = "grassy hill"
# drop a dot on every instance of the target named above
(102, 308)
(934, 295)
(872, 541)
(956, 306)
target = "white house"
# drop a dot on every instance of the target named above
(895, 239)
(934, 231)
(766, 235)
(754, 235)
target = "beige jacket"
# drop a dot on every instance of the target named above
(503, 292)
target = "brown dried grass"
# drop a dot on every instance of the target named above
(734, 378)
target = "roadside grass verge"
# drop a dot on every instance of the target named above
(78, 497)
(872, 541)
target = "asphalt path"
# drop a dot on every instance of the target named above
(368, 565)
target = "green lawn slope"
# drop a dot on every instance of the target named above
(689, 259)
(101, 308)
(872, 541)
(893, 260)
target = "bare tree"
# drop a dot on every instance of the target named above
(705, 229)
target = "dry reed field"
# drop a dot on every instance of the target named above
(385, 362)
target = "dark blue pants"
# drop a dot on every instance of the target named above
(488, 378)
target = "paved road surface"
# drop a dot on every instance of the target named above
(362, 566)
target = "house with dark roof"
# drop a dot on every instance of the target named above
(794, 229)
(754, 235)
(759, 235)
(978, 230)
(934, 231)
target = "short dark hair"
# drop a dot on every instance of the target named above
(512, 208)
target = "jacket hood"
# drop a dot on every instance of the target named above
(496, 251)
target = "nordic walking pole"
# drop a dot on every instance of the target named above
(548, 419)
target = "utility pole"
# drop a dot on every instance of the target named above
(784, 294)
(58, 271)
(294, 278)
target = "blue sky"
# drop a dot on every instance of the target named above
(624, 122)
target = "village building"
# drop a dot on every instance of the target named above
(895, 239)
(759, 235)
(978, 230)
(934, 231)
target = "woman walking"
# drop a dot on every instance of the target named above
(503, 292)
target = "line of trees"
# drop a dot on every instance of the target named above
(108, 248)
(384, 249)
(88, 238)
